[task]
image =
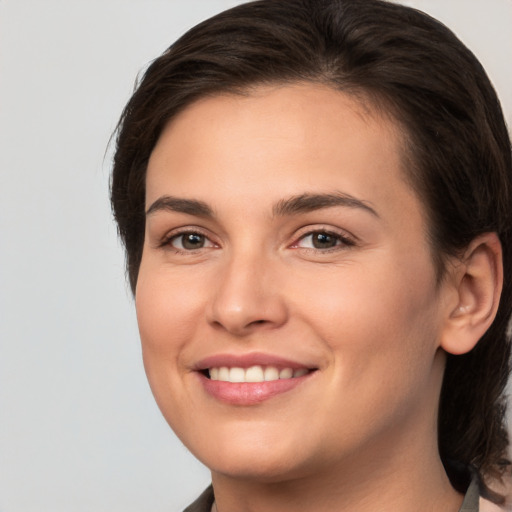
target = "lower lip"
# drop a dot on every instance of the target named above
(249, 393)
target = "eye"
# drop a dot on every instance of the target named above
(190, 241)
(323, 240)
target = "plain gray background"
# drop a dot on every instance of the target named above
(79, 430)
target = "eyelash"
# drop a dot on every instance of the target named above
(343, 241)
(169, 239)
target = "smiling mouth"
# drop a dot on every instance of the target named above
(254, 374)
(247, 380)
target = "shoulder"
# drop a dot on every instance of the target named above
(203, 503)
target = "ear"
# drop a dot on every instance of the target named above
(477, 279)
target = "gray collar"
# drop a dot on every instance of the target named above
(470, 503)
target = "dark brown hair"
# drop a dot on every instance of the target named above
(458, 152)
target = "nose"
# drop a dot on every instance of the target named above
(247, 297)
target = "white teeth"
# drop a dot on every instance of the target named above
(286, 373)
(236, 375)
(224, 373)
(271, 373)
(255, 373)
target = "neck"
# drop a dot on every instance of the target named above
(391, 484)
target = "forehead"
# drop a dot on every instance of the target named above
(253, 150)
(294, 129)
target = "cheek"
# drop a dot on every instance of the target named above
(167, 315)
(167, 309)
(378, 321)
(381, 335)
(167, 319)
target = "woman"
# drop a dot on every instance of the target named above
(316, 202)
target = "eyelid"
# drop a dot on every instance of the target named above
(347, 239)
(166, 240)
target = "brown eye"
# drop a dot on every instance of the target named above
(189, 241)
(324, 240)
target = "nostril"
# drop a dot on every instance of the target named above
(255, 323)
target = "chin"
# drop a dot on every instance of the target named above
(255, 458)
(257, 469)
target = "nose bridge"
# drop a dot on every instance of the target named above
(246, 295)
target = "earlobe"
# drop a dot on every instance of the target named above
(478, 280)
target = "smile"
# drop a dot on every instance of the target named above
(250, 379)
(255, 373)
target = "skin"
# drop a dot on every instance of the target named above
(367, 313)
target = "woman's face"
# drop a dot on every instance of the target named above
(287, 299)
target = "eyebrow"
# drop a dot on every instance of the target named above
(302, 203)
(309, 202)
(177, 204)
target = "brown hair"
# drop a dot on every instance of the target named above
(458, 150)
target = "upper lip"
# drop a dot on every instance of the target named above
(248, 360)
